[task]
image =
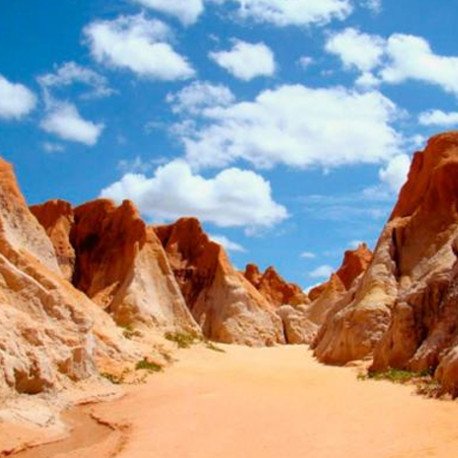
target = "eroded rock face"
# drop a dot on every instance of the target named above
(56, 217)
(224, 303)
(118, 262)
(49, 332)
(274, 288)
(404, 310)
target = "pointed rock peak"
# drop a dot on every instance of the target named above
(253, 274)
(354, 264)
(440, 152)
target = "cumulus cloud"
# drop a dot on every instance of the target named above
(297, 126)
(246, 60)
(411, 57)
(70, 73)
(394, 175)
(187, 11)
(200, 95)
(283, 13)
(233, 197)
(324, 271)
(356, 49)
(16, 100)
(394, 60)
(63, 119)
(227, 244)
(138, 44)
(438, 118)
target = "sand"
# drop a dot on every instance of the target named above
(269, 402)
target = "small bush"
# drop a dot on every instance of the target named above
(129, 332)
(116, 379)
(148, 366)
(395, 375)
(182, 339)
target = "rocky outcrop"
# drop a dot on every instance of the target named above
(118, 262)
(56, 216)
(274, 288)
(50, 333)
(226, 305)
(404, 311)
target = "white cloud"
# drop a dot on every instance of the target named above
(246, 60)
(70, 73)
(16, 100)
(374, 5)
(233, 197)
(138, 44)
(229, 245)
(395, 173)
(308, 255)
(64, 120)
(324, 271)
(292, 12)
(394, 60)
(356, 49)
(297, 126)
(411, 57)
(438, 118)
(200, 95)
(187, 11)
(50, 147)
(305, 61)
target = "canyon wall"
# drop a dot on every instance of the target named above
(404, 312)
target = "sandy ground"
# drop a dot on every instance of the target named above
(270, 402)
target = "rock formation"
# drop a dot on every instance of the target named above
(117, 261)
(274, 288)
(50, 333)
(302, 323)
(404, 310)
(226, 305)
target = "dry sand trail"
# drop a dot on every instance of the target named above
(271, 402)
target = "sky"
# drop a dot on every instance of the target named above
(286, 126)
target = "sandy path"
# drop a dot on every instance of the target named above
(275, 402)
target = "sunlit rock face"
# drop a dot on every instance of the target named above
(111, 255)
(50, 333)
(225, 304)
(275, 288)
(405, 309)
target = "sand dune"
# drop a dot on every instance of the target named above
(274, 402)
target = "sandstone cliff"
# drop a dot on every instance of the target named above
(226, 305)
(110, 254)
(274, 288)
(403, 311)
(50, 333)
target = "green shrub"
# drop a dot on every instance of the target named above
(182, 339)
(395, 375)
(148, 366)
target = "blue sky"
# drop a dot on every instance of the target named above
(286, 126)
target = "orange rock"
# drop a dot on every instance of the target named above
(404, 308)
(226, 305)
(354, 264)
(118, 262)
(56, 216)
(274, 288)
(50, 333)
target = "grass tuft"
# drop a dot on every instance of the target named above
(182, 339)
(148, 366)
